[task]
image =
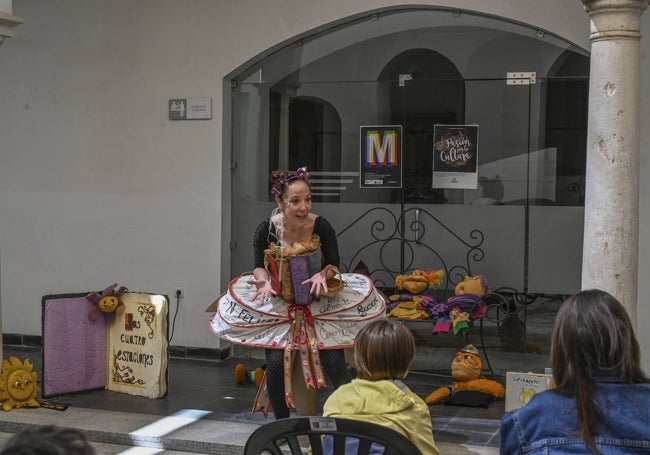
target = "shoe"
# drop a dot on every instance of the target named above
(258, 376)
(53, 405)
(241, 375)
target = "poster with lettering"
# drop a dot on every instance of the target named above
(137, 346)
(455, 156)
(380, 153)
(521, 387)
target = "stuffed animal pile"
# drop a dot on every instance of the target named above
(469, 388)
(411, 301)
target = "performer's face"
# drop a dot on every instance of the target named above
(296, 200)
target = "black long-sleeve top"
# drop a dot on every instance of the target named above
(265, 234)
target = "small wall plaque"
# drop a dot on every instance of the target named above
(190, 108)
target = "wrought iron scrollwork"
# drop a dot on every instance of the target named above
(395, 246)
(397, 242)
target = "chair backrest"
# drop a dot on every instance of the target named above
(309, 434)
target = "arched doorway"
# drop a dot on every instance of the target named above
(567, 98)
(432, 92)
(313, 139)
(459, 64)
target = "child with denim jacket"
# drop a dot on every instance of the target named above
(601, 400)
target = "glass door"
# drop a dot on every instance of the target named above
(519, 223)
(390, 230)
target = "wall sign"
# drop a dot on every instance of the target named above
(190, 108)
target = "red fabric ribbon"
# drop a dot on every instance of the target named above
(302, 337)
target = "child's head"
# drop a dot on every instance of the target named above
(383, 349)
(48, 439)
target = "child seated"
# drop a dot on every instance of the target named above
(383, 353)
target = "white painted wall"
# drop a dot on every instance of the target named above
(97, 185)
(6, 6)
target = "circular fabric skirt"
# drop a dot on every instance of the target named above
(271, 324)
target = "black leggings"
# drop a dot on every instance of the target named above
(334, 366)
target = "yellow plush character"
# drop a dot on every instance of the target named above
(18, 387)
(411, 302)
(419, 281)
(466, 369)
(474, 284)
(409, 309)
(108, 302)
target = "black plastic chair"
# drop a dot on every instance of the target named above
(286, 436)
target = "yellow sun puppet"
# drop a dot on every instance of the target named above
(466, 369)
(108, 303)
(18, 387)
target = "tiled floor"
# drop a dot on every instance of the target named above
(209, 385)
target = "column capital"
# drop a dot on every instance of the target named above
(7, 24)
(615, 19)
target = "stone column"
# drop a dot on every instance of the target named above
(7, 21)
(612, 183)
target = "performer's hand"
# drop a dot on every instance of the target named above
(264, 290)
(318, 283)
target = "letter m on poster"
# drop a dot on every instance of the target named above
(381, 156)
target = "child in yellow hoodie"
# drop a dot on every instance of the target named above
(383, 353)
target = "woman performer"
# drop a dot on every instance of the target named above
(288, 305)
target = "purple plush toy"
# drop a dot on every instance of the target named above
(107, 303)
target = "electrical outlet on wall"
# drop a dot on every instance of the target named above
(179, 292)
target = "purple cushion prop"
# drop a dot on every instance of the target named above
(74, 347)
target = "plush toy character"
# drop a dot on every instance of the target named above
(466, 369)
(512, 328)
(459, 321)
(466, 305)
(108, 302)
(242, 375)
(412, 302)
(475, 285)
(18, 384)
(419, 281)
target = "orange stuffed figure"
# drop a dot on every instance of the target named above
(466, 369)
